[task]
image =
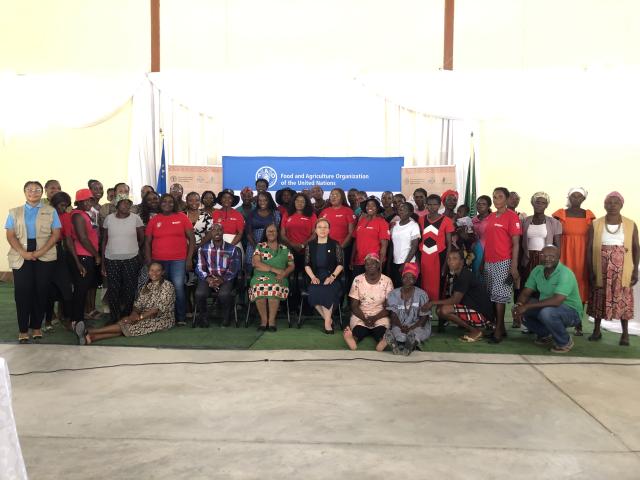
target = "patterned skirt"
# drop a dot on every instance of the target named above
(534, 261)
(267, 288)
(612, 300)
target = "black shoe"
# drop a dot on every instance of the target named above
(273, 329)
(226, 323)
(262, 328)
(328, 332)
(494, 340)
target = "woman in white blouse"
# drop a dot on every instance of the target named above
(405, 237)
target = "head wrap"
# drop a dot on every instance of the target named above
(448, 193)
(372, 256)
(411, 268)
(580, 190)
(615, 194)
(245, 190)
(540, 195)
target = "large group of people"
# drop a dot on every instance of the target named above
(393, 262)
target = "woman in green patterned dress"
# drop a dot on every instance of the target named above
(272, 263)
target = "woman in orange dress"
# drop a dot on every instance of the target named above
(575, 229)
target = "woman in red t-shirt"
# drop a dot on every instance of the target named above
(297, 230)
(231, 220)
(341, 220)
(82, 243)
(371, 234)
(169, 240)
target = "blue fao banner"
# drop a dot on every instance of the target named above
(371, 174)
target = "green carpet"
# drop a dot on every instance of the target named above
(310, 337)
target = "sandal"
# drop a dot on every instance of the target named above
(23, 339)
(470, 339)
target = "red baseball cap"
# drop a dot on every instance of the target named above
(83, 194)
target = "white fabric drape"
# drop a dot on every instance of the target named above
(206, 116)
(35, 102)
(11, 461)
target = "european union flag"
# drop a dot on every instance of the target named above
(161, 185)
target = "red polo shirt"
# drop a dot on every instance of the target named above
(368, 235)
(298, 227)
(339, 220)
(498, 234)
(168, 240)
(231, 220)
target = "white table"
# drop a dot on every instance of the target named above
(11, 461)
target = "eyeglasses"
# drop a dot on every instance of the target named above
(33, 190)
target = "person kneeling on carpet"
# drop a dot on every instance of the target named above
(469, 306)
(217, 269)
(153, 310)
(410, 325)
(559, 307)
(368, 294)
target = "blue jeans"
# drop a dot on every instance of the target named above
(552, 321)
(175, 272)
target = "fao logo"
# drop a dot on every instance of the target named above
(267, 173)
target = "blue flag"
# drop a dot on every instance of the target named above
(161, 185)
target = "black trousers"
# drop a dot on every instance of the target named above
(223, 295)
(81, 285)
(296, 278)
(122, 279)
(61, 287)
(32, 282)
(360, 332)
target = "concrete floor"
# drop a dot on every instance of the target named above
(322, 419)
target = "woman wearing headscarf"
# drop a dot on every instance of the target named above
(410, 323)
(369, 313)
(575, 235)
(538, 231)
(449, 201)
(613, 254)
(437, 230)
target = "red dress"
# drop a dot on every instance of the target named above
(434, 247)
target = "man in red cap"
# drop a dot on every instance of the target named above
(410, 324)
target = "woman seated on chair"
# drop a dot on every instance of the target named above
(368, 294)
(153, 310)
(272, 262)
(323, 262)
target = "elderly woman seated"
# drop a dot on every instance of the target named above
(368, 294)
(410, 323)
(272, 264)
(153, 310)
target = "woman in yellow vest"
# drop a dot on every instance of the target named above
(32, 232)
(613, 253)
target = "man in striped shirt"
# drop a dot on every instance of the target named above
(218, 266)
